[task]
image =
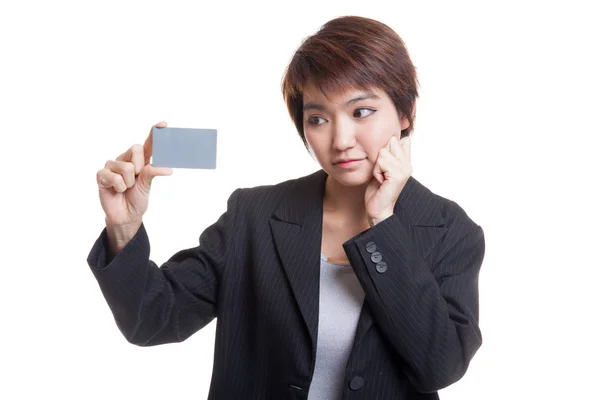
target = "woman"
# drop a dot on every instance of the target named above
(353, 282)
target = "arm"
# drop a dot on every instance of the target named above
(429, 313)
(153, 305)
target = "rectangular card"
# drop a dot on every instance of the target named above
(184, 148)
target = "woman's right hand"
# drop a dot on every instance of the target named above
(124, 188)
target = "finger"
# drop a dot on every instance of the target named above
(107, 179)
(125, 169)
(378, 170)
(118, 183)
(103, 178)
(124, 156)
(406, 144)
(148, 142)
(137, 158)
(135, 155)
(405, 141)
(378, 174)
(386, 162)
(149, 172)
(395, 146)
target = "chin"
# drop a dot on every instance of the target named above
(352, 179)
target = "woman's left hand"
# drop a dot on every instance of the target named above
(391, 172)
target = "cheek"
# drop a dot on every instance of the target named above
(379, 134)
(315, 142)
(373, 141)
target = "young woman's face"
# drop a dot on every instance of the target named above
(346, 130)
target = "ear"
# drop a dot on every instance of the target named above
(404, 123)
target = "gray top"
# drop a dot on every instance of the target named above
(340, 301)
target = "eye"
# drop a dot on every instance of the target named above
(363, 112)
(316, 120)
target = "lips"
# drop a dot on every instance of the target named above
(349, 164)
(347, 160)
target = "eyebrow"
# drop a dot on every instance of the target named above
(320, 107)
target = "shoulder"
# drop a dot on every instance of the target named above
(463, 236)
(453, 213)
(266, 195)
(265, 199)
(441, 220)
(427, 208)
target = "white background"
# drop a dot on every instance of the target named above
(507, 126)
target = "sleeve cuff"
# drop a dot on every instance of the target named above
(99, 257)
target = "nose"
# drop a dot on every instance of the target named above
(344, 135)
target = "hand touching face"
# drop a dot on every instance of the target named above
(391, 172)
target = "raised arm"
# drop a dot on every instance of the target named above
(428, 310)
(153, 305)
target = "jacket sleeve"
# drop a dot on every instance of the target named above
(155, 305)
(429, 311)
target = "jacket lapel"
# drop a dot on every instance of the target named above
(297, 227)
(426, 229)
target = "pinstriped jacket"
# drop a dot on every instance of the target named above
(256, 270)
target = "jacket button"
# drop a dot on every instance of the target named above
(371, 247)
(381, 267)
(357, 383)
(376, 257)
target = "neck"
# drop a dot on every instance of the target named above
(343, 199)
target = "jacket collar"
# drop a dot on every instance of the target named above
(306, 196)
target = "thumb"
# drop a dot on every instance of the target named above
(149, 172)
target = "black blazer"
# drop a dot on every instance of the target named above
(257, 271)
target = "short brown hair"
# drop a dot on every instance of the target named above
(352, 52)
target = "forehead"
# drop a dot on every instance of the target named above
(314, 94)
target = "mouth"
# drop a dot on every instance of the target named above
(348, 162)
